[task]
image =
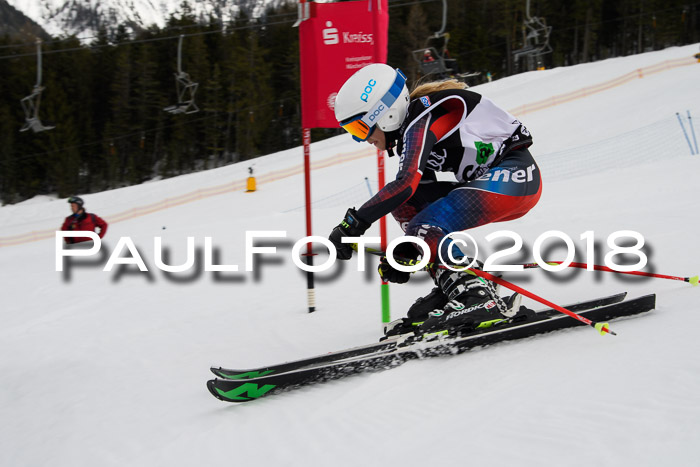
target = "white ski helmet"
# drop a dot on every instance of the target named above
(375, 95)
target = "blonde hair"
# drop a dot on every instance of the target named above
(424, 89)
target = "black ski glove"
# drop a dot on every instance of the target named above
(405, 251)
(389, 274)
(351, 226)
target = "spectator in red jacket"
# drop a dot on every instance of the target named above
(81, 220)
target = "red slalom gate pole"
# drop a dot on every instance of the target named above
(311, 293)
(691, 280)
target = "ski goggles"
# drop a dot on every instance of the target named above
(362, 126)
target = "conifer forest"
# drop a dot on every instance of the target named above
(105, 96)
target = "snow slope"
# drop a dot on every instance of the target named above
(84, 17)
(109, 368)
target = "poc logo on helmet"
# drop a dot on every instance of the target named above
(368, 90)
(376, 112)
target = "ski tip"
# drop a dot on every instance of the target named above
(221, 395)
(211, 386)
(693, 280)
(604, 328)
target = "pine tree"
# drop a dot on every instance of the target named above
(107, 98)
(8, 162)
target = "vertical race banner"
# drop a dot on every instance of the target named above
(335, 41)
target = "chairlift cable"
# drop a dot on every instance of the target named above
(395, 4)
(135, 133)
(142, 41)
(163, 29)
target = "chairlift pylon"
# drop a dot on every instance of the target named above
(185, 87)
(30, 104)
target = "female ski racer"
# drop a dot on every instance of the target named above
(439, 127)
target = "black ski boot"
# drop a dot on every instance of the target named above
(417, 314)
(473, 303)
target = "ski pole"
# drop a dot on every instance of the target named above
(602, 328)
(692, 153)
(694, 280)
(692, 131)
(691, 280)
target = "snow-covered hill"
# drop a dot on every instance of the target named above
(109, 368)
(84, 18)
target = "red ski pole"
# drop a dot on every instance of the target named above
(603, 328)
(691, 280)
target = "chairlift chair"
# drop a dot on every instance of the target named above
(435, 66)
(185, 87)
(442, 67)
(535, 39)
(31, 103)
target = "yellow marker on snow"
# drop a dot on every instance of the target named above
(250, 183)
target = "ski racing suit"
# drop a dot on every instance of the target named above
(481, 145)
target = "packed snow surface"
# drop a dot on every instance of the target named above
(109, 368)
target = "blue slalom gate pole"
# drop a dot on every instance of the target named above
(369, 187)
(692, 130)
(692, 153)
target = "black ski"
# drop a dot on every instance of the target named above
(409, 348)
(379, 347)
